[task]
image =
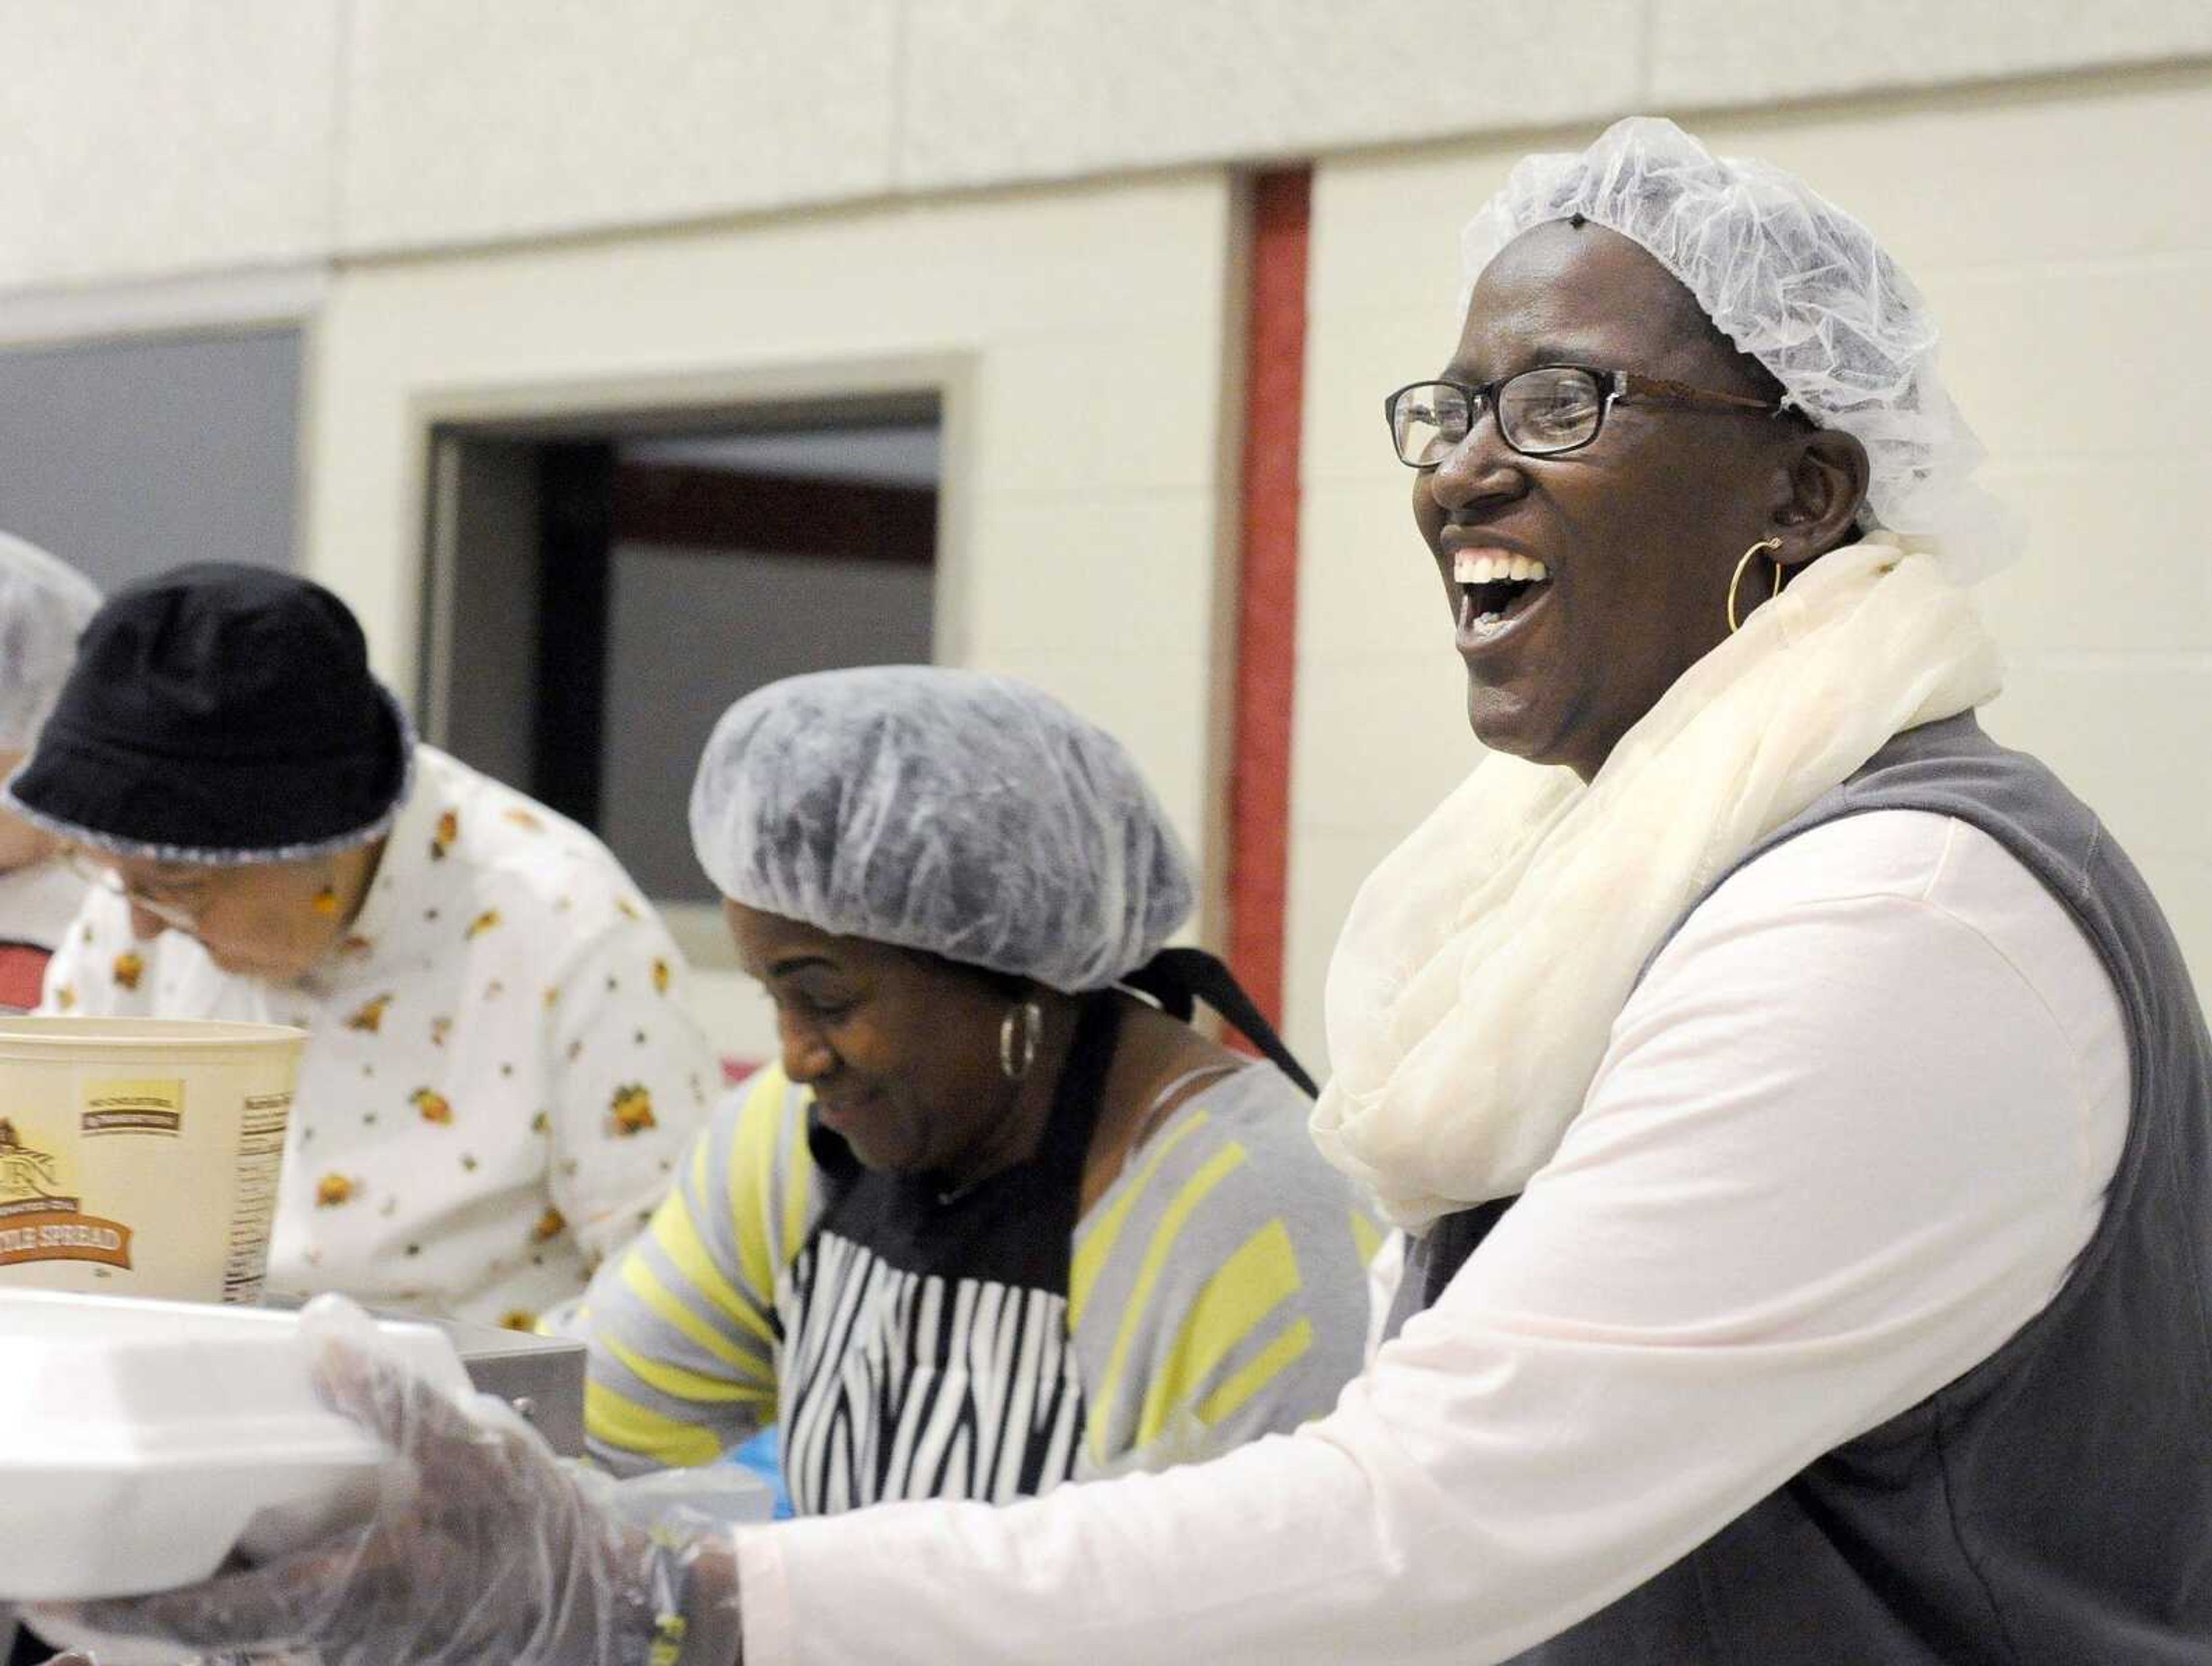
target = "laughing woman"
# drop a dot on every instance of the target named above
(1803, 1110)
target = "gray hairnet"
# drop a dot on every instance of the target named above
(44, 605)
(1800, 286)
(970, 815)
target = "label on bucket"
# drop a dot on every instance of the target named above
(140, 1157)
(260, 1160)
(133, 1107)
(42, 1216)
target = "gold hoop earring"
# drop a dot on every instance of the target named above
(1763, 547)
(1032, 1032)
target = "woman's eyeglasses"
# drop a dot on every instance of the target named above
(1543, 412)
(90, 868)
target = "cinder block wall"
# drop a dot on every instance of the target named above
(477, 197)
(2065, 235)
(1077, 337)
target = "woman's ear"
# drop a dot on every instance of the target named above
(1827, 482)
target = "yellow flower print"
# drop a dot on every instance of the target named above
(519, 1320)
(433, 1105)
(552, 997)
(631, 1112)
(526, 821)
(65, 996)
(627, 909)
(541, 1123)
(129, 969)
(334, 1189)
(483, 923)
(440, 1029)
(353, 944)
(550, 1225)
(448, 830)
(369, 1016)
(660, 976)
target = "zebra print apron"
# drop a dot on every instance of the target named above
(929, 1354)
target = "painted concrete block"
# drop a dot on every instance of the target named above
(165, 138)
(1350, 369)
(1101, 409)
(1008, 89)
(1121, 574)
(1326, 873)
(2129, 733)
(1379, 745)
(2184, 889)
(2072, 359)
(1720, 52)
(1368, 592)
(2115, 560)
(507, 118)
(1993, 178)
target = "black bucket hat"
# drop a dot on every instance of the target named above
(219, 714)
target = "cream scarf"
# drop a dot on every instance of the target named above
(1483, 963)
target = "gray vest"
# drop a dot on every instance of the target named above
(2053, 1505)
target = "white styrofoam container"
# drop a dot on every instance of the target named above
(142, 1441)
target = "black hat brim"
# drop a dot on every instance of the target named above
(105, 795)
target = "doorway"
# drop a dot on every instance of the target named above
(600, 591)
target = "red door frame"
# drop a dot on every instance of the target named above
(1267, 582)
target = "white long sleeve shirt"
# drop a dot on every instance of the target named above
(1850, 1134)
(500, 1073)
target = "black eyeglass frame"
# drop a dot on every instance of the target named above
(1617, 385)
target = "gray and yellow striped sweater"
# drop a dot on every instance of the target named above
(1215, 1294)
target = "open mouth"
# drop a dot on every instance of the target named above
(1494, 590)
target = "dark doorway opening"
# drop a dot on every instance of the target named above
(598, 598)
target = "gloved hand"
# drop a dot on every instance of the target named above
(485, 1550)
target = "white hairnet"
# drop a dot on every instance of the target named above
(972, 816)
(44, 605)
(1800, 286)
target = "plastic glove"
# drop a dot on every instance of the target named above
(485, 1550)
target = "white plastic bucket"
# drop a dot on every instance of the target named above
(139, 1156)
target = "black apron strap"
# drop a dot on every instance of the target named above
(1179, 978)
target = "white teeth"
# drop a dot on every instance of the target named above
(1470, 568)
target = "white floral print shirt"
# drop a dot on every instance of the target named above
(500, 1076)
